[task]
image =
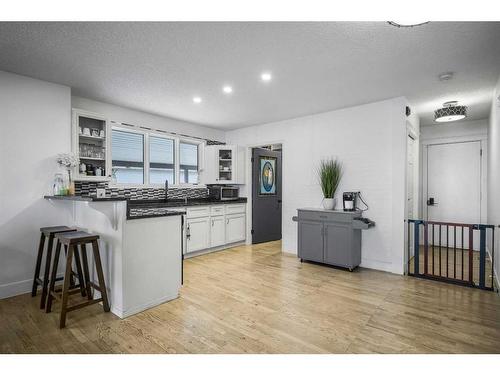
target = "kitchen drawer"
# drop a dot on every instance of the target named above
(197, 211)
(343, 217)
(235, 209)
(217, 210)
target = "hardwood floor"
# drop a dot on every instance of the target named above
(254, 299)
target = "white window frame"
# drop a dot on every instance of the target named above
(177, 140)
(178, 166)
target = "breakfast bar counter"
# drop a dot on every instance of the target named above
(142, 259)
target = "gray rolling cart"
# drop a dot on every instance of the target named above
(331, 237)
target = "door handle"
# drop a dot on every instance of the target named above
(431, 202)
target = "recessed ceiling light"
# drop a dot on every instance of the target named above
(227, 89)
(266, 77)
(197, 99)
(450, 112)
(446, 76)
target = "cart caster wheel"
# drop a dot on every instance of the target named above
(350, 269)
(301, 260)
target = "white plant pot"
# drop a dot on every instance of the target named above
(329, 203)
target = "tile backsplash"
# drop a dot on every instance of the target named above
(89, 188)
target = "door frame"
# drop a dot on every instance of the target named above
(279, 186)
(249, 184)
(483, 139)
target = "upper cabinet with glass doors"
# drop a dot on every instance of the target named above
(90, 145)
(224, 164)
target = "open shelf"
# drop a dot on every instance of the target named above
(88, 158)
(91, 137)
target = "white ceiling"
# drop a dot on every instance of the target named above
(316, 67)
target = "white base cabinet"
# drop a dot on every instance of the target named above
(213, 227)
(196, 234)
(235, 228)
(217, 231)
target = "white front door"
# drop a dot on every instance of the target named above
(454, 183)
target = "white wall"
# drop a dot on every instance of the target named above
(35, 126)
(494, 173)
(130, 116)
(370, 140)
(453, 130)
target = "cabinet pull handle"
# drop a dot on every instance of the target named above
(212, 222)
(227, 222)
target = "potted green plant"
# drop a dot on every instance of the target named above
(329, 173)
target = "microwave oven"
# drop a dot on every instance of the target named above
(223, 193)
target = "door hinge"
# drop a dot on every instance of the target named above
(251, 160)
(252, 231)
(481, 152)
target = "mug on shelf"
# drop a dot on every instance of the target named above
(86, 131)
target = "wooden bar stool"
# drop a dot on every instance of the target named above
(48, 232)
(75, 242)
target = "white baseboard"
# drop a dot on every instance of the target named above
(17, 288)
(137, 309)
(213, 249)
(381, 266)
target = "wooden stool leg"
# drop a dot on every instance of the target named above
(100, 275)
(79, 271)
(66, 284)
(86, 274)
(71, 280)
(46, 273)
(53, 276)
(38, 265)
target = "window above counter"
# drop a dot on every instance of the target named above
(129, 155)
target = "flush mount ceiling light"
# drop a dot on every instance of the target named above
(443, 77)
(197, 99)
(450, 112)
(227, 89)
(266, 77)
(406, 24)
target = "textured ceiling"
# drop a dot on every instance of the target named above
(317, 67)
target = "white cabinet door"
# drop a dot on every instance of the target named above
(235, 228)
(217, 231)
(224, 164)
(198, 234)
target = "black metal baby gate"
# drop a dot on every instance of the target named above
(456, 253)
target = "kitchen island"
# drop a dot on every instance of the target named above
(142, 258)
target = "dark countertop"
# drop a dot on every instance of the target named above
(181, 202)
(84, 198)
(147, 202)
(144, 213)
(146, 208)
